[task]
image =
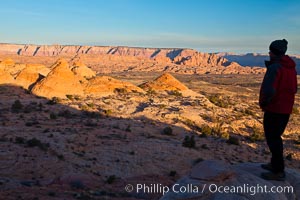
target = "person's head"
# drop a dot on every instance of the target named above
(278, 47)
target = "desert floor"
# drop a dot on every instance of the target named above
(90, 148)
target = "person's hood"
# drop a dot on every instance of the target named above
(287, 62)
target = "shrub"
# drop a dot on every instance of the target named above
(84, 107)
(204, 146)
(172, 173)
(77, 97)
(207, 118)
(60, 157)
(151, 92)
(91, 105)
(206, 130)
(256, 135)
(70, 97)
(32, 123)
(192, 125)
(19, 140)
(128, 128)
(167, 130)
(162, 106)
(90, 123)
(54, 101)
(233, 140)
(65, 113)
(51, 194)
(218, 101)
(37, 143)
(189, 142)
(289, 157)
(28, 109)
(222, 134)
(297, 141)
(111, 179)
(218, 131)
(249, 112)
(175, 93)
(120, 90)
(53, 116)
(108, 112)
(16, 106)
(295, 111)
(92, 114)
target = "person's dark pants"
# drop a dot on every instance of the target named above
(274, 125)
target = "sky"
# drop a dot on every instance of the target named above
(205, 25)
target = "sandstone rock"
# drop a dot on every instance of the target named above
(31, 74)
(5, 77)
(105, 85)
(27, 79)
(62, 63)
(7, 62)
(41, 69)
(60, 82)
(211, 171)
(79, 68)
(165, 82)
(242, 180)
(16, 69)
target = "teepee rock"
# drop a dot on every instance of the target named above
(31, 74)
(79, 68)
(105, 85)
(165, 82)
(8, 62)
(60, 82)
(6, 77)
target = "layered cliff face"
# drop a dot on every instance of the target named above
(106, 59)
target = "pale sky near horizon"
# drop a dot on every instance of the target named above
(206, 25)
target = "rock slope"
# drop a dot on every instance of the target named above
(210, 178)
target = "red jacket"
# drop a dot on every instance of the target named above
(279, 86)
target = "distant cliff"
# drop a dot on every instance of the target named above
(251, 59)
(107, 59)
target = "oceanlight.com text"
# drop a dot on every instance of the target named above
(211, 188)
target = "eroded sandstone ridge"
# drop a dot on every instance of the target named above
(107, 59)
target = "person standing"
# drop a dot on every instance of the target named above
(276, 99)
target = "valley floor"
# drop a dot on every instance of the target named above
(91, 148)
